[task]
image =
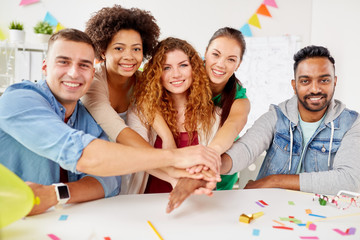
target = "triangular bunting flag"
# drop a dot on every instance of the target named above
(270, 3)
(2, 36)
(50, 19)
(254, 20)
(263, 11)
(59, 27)
(246, 31)
(27, 2)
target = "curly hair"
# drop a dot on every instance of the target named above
(151, 97)
(105, 23)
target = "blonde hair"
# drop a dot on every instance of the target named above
(151, 97)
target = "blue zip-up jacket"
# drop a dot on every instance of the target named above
(35, 141)
(331, 157)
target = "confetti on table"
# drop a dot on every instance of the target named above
(351, 231)
(256, 232)
(53, 237)
(107, 238)
(279, 223)
(308, 211)
(259, 204)
(312, 226)
(314, 215)
(283, 227)
(308, 237)
(302, 224)
(154, 229)
(291, 203)
(339, 231)
(63, 217)
(262, 202)
(294, 220)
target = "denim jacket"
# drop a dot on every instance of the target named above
(35, 141)
(330, 160)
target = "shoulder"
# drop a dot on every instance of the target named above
(240, 92)
(27, 91)
(85, 118)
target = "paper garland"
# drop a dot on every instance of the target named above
(53, 22)
(254, 20)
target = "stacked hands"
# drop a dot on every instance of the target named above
(202, 180)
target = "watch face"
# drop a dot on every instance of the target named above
(63, 192)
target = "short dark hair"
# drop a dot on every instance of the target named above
(105, 23)
(312, 52)
(70, 34)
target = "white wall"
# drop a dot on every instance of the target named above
(335, 24)
(332, 23)
(192, 20)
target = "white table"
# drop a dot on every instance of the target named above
(199, 217)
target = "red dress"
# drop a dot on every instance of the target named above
(156, 185)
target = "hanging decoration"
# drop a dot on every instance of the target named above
(27, 2)
(254, 20)
(53, 22)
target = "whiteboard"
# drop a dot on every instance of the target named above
(266, 72)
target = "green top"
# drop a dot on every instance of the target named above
(240, 93)
(228, 181)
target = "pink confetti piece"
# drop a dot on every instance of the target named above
(339, 231)
(53, 237)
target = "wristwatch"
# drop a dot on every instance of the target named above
(62, 193)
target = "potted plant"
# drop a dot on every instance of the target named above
(43, 30)
(16, 32)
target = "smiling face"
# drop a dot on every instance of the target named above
(176, 74)
(222, 59)
(69, 70)
(124, 54)
(314, 86)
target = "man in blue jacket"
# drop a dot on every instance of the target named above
(312, 141)
(47, 136)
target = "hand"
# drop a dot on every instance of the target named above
(197, 169)
(181, 173)
(47, 196)
(185, 187)
(197, 155)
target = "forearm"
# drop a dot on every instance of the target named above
(225, 137)
(104, 158)
(85, 189)
(254, 142)
(226, 163)
(163, 130)
(276, 181)
(131, 138)
(232, 127)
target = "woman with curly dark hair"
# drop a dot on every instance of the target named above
(175, 84)
(122, 37)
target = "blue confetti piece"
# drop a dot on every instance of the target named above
(63, 217)
(256, 232)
